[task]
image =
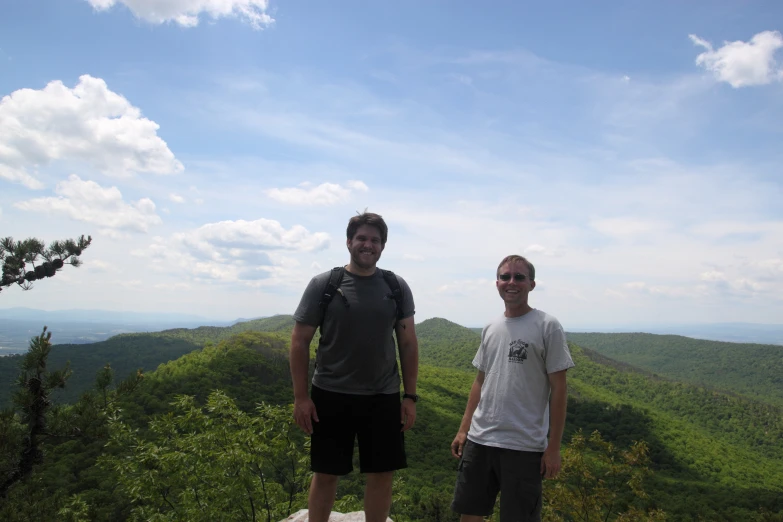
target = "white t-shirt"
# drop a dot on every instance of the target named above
(516, 354)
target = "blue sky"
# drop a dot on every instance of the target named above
(215, 150)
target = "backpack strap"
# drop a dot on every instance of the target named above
(330, 290)
(396, 291)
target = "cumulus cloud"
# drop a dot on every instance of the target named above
(743, 64)
(186, 12)
(232, 251)
(89, 202)
(88, 123)
(176, 198)
(324, 194)
(714, 283)
(264, 234)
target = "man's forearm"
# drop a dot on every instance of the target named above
(409, 361)
(300, 366)
(473, 400)
(557, 414)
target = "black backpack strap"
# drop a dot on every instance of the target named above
(330, 290)
(396, 291)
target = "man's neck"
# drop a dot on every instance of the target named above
(517, 311)
(357, 270)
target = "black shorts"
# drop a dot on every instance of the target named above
(484, 470)
(374, 419)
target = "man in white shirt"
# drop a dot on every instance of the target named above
(519, 395)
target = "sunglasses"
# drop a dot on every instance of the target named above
(517, 277)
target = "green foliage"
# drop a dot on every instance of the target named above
(35, 384)
(250, 367)
(26, 261)
(754, 370)
(712, 456)
(128, 353)
(600, 482)
(211, 463)
(446, 344)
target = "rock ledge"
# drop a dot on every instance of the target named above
(355, 516)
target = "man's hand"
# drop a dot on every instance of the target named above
(407, 414)
(458, 444)
(305, 414)
(550, 462)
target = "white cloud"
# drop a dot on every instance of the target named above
(186, 12)
(176, 198)
(540, 249)
(234, 251)
(323, 194)
(659, 290)
(89, 202)
(626, 227)
(713, 275)
(172, 286)
(263, 234)
(743, 64)
(97, 265)
(88, 124)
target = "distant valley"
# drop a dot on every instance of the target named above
(18, 325)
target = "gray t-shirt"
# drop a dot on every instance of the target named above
(516, 355)
(356, 353)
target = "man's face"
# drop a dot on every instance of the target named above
(365, 247)
(513, 291)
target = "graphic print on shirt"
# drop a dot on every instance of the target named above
(517, 351)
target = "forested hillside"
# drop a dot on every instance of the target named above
(713, 456)
(447, 344)
(754, 370)
(128, 353)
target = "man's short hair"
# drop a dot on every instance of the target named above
(367, 218)
(513, 258)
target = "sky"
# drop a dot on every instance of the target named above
(215, 150)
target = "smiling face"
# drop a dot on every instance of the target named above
(515, 289)
(365, 247)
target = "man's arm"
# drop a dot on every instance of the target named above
(304, 409)
(558, 399)
(473, 401)
(408, 345)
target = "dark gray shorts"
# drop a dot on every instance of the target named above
(484, 471)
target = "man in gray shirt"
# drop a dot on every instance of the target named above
(356, 385)
(519, 395)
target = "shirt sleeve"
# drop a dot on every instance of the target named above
(409, 308)
(558, 356)
(309, 309)
(479, 361)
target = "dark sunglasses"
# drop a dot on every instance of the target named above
(517, 277)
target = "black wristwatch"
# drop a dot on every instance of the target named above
(411, 396)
